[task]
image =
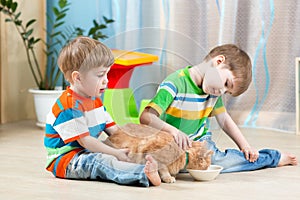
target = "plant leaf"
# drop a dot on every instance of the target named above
(58, 24)
(60, 16)
(107, 21)
(62, 3)
(17, 15)
(30, 42)
(18, 22)
(30, 22)
(55, 34)
(102, 26)
(65, 10)
(3, 2)
(28, 33)
(95, 23)
(8, 3)
(14, 6)
(56, 11)
(37, 40)
(92, 31)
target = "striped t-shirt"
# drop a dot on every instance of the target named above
(181, 103)
(71, 118)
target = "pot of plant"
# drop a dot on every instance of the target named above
(50, 79)
(43, 101)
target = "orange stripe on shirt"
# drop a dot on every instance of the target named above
(88, 104)
(64, 162)
(56, 109)
(110, 124)
(76, 137)
(52, 135)
(51, 166)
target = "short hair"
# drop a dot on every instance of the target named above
(239, 64)
(83, 53)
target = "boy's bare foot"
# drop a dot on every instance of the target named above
(287, 159)
(151, 170)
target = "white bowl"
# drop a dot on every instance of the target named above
(206, 175)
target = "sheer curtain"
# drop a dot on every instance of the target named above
(182, 32)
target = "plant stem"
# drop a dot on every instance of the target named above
(25, 43)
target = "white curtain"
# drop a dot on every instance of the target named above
(182, 32)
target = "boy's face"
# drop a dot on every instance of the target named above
(218, 80)
(94, 82)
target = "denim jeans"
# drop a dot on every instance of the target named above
(98, 166)
(233, 160)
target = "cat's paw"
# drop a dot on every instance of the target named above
(169, 179)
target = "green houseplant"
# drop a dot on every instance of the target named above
(58, 34)
(48, 79)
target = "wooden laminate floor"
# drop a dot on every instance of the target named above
(22, 173)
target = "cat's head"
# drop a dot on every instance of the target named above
(199, 156)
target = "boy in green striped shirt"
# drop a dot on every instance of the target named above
(187, 97)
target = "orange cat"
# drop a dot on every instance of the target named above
(143, 140)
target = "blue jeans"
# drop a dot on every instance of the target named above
(99, 166)
(233, 160)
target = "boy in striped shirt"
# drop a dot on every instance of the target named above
(186, 98)
(78, 117)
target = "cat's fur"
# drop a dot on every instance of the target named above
(143, 140)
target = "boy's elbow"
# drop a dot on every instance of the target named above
(143, 117)
(84, 141)
(148, 115)
(81, 142)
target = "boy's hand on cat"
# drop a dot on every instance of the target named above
(182, 140)
(250, 154)
(122, 155)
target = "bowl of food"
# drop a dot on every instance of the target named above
(206, 175)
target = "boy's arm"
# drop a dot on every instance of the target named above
(232, 130)
(95, 145)
(111, 130)
(150, 117)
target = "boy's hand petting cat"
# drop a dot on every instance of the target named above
(122, 155)
(182, 140)
(250, 154)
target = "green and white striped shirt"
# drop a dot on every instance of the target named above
(182, 104)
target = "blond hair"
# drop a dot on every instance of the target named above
(238, 62)
(83, 53)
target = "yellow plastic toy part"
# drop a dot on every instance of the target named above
(126, 58)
